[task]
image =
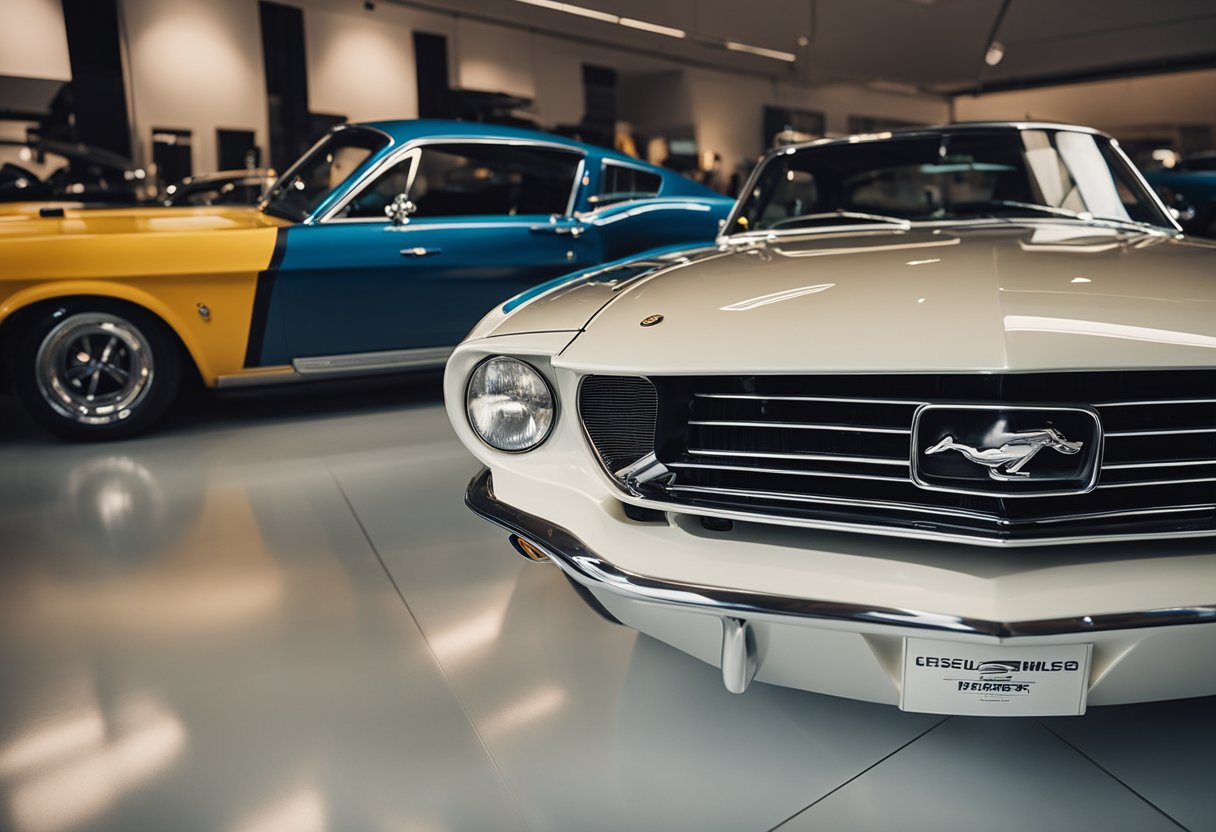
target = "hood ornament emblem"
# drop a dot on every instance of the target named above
(1005, 463)
(651, 320)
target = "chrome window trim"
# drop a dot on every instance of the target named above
(415, 146)
(574, 558)
(638, 166)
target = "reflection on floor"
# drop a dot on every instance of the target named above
(277, 614)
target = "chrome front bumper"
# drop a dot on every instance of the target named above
(736, 609)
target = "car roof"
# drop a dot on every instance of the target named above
(410, 129)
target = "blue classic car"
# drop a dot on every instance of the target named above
(1189, 188)
(377, 251)
(407, 232)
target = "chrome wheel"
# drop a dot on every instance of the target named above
(94, 368)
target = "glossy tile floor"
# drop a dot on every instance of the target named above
(276, 614)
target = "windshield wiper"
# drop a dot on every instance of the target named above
(1076, 215)
(1043, 209)
(805, 219)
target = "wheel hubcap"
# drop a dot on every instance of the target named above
(94, 368)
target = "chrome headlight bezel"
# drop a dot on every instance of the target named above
(473, 422)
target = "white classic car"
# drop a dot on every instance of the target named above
(933, 423)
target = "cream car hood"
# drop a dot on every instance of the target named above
(1030, 296)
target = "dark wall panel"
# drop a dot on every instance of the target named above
(286, 81)
(431, 65)
(99, 98)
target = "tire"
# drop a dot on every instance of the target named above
(95, 370)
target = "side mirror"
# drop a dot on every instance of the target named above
(399, 210)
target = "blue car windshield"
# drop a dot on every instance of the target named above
(321, 170)
(966, 174)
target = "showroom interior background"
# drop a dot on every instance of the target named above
(198, 67)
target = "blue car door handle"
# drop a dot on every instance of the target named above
(552, 228)
(419, 251)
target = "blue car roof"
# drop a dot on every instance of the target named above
(409, 129)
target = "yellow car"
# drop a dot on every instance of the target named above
(376, 252)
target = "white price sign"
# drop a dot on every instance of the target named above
(949, 677)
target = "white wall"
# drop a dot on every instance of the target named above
(33, 43)
(1177, 98)
(195, 66)
(359, 66)
(495, 59)
(361, 63)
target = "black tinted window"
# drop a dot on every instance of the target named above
(472, 179)
(950, 176)
(329, 164)
(619, 183)
(372, 200)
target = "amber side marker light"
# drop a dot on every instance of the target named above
(528, 550)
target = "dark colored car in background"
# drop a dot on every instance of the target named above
(80, 174)
(1189, 187)
(226, 187)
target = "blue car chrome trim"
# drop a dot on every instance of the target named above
(585, 566)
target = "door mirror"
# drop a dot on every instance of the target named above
(399, 210)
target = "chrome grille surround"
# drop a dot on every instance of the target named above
(819, 451)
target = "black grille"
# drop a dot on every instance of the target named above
(619, 415)
(836, 449)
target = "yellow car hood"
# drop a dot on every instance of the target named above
(19, 222)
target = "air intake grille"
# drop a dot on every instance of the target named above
(619, 414)
(836, 450)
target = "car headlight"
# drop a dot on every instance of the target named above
(510, 405)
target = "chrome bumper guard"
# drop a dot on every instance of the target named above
(735, 607)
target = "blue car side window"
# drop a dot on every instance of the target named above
(493, 179)
(371, 202)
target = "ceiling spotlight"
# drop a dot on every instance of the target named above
(996, 51)
(775, 54)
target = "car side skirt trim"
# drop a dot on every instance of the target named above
(333, 366)
(589, 569)
(372, 362)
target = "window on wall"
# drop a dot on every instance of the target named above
(480, 179)
(619, 183)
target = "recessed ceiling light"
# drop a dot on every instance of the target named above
(606, 17)
(670, 31)
(776, 54)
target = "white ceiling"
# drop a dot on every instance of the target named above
(936, 45)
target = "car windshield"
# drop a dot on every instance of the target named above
(330, 162)
(948, 176)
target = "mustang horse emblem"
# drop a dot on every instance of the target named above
(1006, 462)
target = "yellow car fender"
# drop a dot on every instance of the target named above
(115, 291)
